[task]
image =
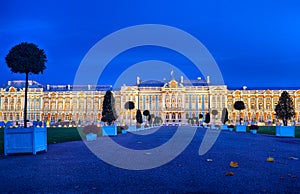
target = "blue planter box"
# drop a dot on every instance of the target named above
(240, 128)
(91, 137)
(285, 131)
(124, 131)
(25, 140)
(224, 128)
(109, 130)
(253, 131)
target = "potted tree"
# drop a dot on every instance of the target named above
(139, 120)
(25, 58)
(224, 119)
(130, 106)
(239, 105)
(109, 115)
(146, 113)
(285, 111)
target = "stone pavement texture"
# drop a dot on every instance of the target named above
(72, 168)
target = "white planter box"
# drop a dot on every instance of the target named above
(91, 137)
(240, 128)
(25, 140)
(132, 128)
(285, 131)
(109, 130)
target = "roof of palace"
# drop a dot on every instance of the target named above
(19, 84)
(151, 83)
(197, 82)
(156, 83)
(264, 88)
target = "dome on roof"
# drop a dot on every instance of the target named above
(151, 83)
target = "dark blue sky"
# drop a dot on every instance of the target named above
(255, 43)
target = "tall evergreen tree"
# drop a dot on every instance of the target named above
(139, 117)
(26, 58)
(224, 117)
(285, 108)
(108, 108)
(207, 118)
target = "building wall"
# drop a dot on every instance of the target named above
(174, 103)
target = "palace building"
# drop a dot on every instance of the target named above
(174, 101)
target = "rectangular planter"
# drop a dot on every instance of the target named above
(240, 128)
(132, 128)
(25, 140)
(124, 131)
(91, 137)
(224, 128)
(109, 130)
(285, 131)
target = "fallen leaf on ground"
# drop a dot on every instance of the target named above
(270, 159)
(234, 164)
(293, 158)
(209, 160)
(229, 173)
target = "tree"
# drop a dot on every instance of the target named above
(224, 117)
(26, 58)
(129, 106)
(151, 119)
(200, 116)
(207, 118)
(239, 105)
(139, 117)
(214, 112)
(157, 120)
(146, 113)
(108, 108)
(285, 108)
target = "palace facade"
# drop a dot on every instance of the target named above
(174, 101)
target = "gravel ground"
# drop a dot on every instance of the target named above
(72, 168)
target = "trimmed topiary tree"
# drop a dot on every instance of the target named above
(129, 106)
(146, 113)
(26, 58)
(239, 105)
(200, 116)
(139, 117)
(108, 108)
(285, 108)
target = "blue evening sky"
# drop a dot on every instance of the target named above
(255, 43)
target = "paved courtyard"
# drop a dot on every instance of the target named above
(72, 168)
